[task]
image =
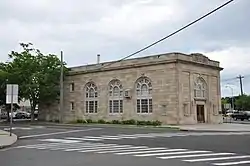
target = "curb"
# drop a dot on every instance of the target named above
(6, 146)
(108, 125)
(195, 130)
(9, 145)
(185, 130)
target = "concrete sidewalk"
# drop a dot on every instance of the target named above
(6, 140)
(225, 127)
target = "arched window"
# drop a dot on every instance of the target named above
(144, 95)
(91, 98)
(200, 88)
(115, 97)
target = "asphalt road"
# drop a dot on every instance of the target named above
(109, 146)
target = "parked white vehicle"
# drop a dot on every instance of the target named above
(24, 114)
(14, 114)
(230, 112)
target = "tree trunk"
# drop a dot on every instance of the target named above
(33, 107)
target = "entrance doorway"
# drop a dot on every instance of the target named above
(200, 114)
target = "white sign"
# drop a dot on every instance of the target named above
(12, 93)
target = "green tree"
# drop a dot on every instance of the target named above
(3, 80)
(223, 102)
(38, 75)
(243, 102)
(5, 77)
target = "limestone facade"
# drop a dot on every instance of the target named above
(174, 88)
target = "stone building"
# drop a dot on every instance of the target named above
(173, 88)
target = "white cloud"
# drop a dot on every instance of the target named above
(136, 18)
(84, 28)
(234, 60)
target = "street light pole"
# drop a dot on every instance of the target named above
(11, 111)
(61, 90)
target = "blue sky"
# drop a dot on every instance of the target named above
(116, 28)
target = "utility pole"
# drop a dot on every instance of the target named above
(241, 86)
(61, 90)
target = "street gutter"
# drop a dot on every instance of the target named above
(108, 125)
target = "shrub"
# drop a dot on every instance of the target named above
(141, 122)
(149, 123)
(72, 122)
(129, 122)
(156, 123)
(79, 121)
(89, 120)
(101, 121)
(116, 122)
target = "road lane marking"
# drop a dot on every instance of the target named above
(18, 128)
(128, 150)
(232, 163)
(218, 158)
(107, 146)
(142, 151)
(172, 152)
(151, 135)
(104, 148)
(136, 148)
(198, 155)
(58, 133)
(24, 146)
(155, 153)
(65, 146)
(84, 148)
(122, 136)
(137, 152)
(53, 144)
(59, 140)
(113, 148)
(87, 138)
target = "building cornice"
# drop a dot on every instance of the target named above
(71, 73)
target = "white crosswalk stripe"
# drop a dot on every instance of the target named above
(24, 128)
(151, 135)
(218, 158)
(18, 128)
(172, 153)
(105, 148)
(137, 148)
(164, 153)
(196, 155)
(166, 150)
(233, 163)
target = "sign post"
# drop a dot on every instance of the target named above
(11, 98)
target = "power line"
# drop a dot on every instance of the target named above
(233, 78)
(247, 76)
(229, 79)
(177, 31)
